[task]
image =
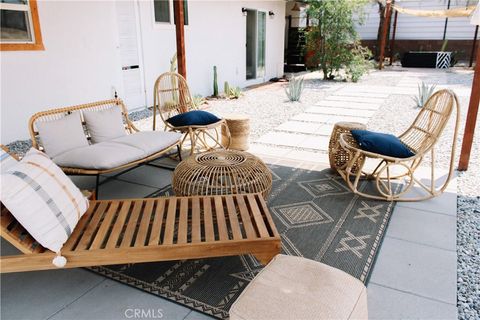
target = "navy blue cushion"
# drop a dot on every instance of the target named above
(381, 143)
(193, 118)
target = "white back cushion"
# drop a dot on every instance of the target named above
(43, 199)
(61, 135)
(104, 125)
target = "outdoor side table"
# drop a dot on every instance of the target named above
(221, 172)
(337, 156)
(239, 126)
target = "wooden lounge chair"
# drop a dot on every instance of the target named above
(171, 97)
(146, 230)
(421, 137)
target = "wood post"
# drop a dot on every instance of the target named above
(180, 36)
(471, 118)
(474, 46)
(383, 39)
(392, 42)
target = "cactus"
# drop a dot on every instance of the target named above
(235, 92)
(425, 91)
(215, 82)
(226, 89)
(173, 63)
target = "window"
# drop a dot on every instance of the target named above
(162, 10)
(20, 27)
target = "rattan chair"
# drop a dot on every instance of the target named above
(395, 177)
(171, 97)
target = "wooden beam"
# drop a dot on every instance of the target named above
(383, 39)
(474, 46)
(392, 42)
(180, 36)
(471, 117)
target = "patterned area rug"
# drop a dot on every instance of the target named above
(317, 217)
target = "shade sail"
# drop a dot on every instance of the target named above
(447, 13)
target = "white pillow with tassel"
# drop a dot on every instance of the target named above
(44, 200)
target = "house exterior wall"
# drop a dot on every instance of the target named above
(81, 62)
(419, 28)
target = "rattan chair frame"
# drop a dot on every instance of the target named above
(421, 137)
(130, 128)
(171, 96)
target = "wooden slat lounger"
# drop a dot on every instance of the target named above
(159, 229)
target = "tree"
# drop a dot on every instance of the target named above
(332, 41)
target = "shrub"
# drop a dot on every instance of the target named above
(332, 42)
(294, 89)
(235, 93)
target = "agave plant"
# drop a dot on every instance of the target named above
(198, 100)
(235, 92)
(294, 89)
(425, 91)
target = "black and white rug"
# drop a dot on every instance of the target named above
(318, 218)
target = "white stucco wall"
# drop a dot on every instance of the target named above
(215, 36)
(81, 61)
(79, 64)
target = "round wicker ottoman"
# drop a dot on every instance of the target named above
(337, 155)
(222, 172)
(239, 126)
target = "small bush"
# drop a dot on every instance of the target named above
(294, 89)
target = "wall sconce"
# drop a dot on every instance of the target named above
(244, 11)
(271, 14)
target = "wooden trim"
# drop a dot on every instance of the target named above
(38, 45)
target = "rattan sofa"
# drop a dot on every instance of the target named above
(136, 148)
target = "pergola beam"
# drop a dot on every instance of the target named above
(385, 29)
(471, 117)
(180, 36)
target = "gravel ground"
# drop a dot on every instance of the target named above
(269, 107)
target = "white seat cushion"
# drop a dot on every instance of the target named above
(43, 199)
(58, 136)
(150, 141)
(298, 288)
(104, 125)
(100, 156)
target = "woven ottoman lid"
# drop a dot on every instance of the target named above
(297, 288)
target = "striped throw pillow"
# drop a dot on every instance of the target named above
(6, 160)
(43, 199)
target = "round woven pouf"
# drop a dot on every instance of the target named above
(221, 172)
(239, 127)
(337, 155)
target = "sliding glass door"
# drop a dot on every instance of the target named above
(255, 46)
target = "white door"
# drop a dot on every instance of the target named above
(255, 45)
(133, 94)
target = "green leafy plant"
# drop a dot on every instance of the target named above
(198, 100)
(215, 82)
(235, 93)
(333, 42)
(360, 64)
(425, 91)
(294, 88)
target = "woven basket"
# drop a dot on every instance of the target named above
(337, 155)
(222, 172)
(239, 127)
